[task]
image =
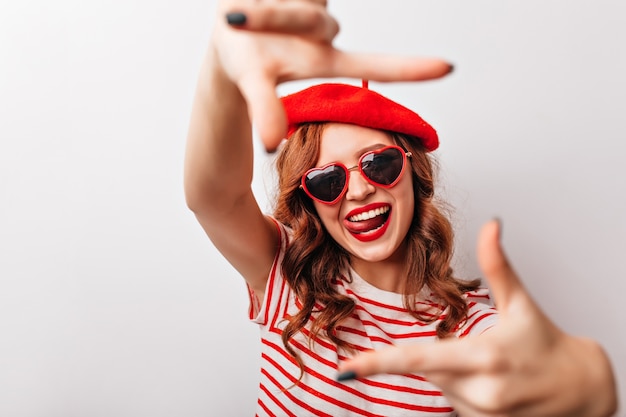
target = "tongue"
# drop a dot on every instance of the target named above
(365, 225)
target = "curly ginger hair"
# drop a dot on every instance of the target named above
(313, 260)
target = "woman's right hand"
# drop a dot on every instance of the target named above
(273, 41)
(524, 366)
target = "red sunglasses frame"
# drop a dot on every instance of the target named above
(359, 167)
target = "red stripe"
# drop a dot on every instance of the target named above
(393, 321)
(470, 306)
(340, 357)
(377, 317)
(372, 338)
(311, 391)
(427, 303)
(429, 333)
(314, 355)
(332, 346)
(270, 285)
(289, 395)
(468, 318)
(267, 411)
(475, 294)
(286, 293)
(280, 350)
(333, 365)
(254, 302)
(478, 320)
(402, 388)
(348, 389)
(363, 334)
(361, 348)
(276, 401)
(284, 289)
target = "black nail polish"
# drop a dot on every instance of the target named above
(346, 376)
(236, 19)
(450, 68)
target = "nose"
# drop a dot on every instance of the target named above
(358, 187)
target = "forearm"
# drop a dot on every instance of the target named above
(218, 160)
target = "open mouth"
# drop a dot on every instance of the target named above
(368, 224)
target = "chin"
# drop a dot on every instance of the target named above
(374, 252)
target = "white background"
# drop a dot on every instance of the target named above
(114, 303)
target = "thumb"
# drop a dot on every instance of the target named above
(265, 109)
(504, 283)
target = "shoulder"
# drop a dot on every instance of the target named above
(285, 233)
(265, 303)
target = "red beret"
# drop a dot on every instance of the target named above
(361, 106)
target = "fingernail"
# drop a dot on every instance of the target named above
(497, 220)
(346, 376)
(450, 68)
(236, 19)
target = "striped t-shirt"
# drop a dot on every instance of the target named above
(379, 320)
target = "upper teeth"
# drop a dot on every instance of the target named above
(366, 215)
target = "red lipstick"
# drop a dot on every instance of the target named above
(369, 222)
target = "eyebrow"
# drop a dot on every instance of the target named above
(360, 152)
(373, 147)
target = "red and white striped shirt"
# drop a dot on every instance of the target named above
(379, 320)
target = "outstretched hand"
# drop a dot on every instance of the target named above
(268, 42)
(524, 366)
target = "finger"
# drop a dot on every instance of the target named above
(503, 281)
(265, 109)
(453, 356)
(321, 2)
(306, 19)
(380, 67)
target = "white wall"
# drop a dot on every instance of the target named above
(112, 301)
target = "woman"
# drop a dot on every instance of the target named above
(364, 258)
(237, 83)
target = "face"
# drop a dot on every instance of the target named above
(369, 221)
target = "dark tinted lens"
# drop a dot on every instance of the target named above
(384, 167)
(326, 184)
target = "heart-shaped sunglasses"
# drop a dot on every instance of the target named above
(381, 167)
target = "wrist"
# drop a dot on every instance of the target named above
(600, 393)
